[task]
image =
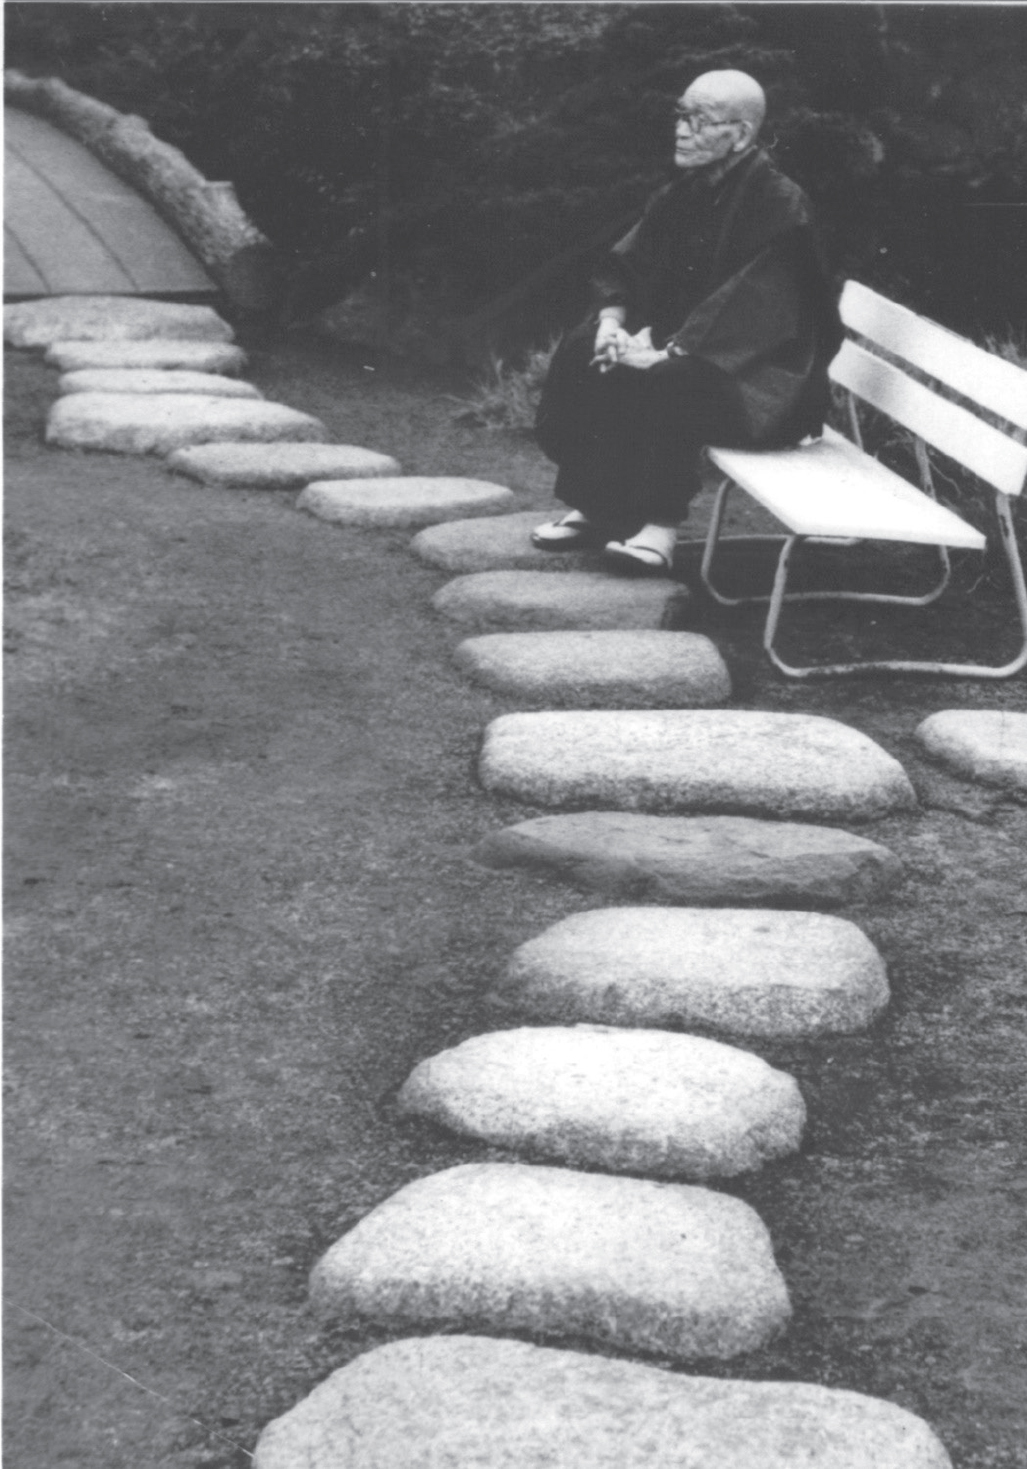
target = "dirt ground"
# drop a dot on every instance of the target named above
(240, 805)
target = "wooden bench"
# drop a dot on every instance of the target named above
(830, 490)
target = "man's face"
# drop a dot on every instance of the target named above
(705, 131)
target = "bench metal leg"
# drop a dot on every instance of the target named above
(779, 596)
(715, 539)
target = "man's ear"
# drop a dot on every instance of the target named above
(745, 141)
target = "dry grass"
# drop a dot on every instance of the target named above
(1012, 346)
(508, 396)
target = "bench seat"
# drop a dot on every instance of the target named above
(830, 488)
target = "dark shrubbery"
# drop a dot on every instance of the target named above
(453, 150)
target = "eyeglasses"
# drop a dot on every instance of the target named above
(697, 123)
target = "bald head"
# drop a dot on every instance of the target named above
(719, 118)
(729, 94)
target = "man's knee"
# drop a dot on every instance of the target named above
(694, 409)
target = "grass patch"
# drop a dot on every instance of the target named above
(1012, 346)
(508, 395)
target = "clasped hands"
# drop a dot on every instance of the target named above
(615, 347)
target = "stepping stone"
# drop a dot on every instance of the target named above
(135, 424)
(108, 318)
(153, 380)
(743, 762)
(739, 971)
(493, 1404)
(497, 544)
(628, 1101)
(277, 466)
(157, 353)
(989, 745)
(608, 669)
(735, 860)
(578, 599)
(402, 501)
(506, 1247)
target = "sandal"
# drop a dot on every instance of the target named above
(637, 555)
(567, 534)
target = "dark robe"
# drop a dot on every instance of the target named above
(729, 274)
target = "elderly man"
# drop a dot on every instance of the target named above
(715, 323)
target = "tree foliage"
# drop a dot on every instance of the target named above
(457, 148)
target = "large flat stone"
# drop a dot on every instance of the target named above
(464, 1402)
(729, 860)
(154, 380)
(158, 353)
(717, 761)
(501, 543)
(739, 971)
(134, 424)
(578, 599)
(402, 500)
(277, 466)
(109, 318)
(640, 668)
(628, 1101)
(989, 745)
(506, 1247)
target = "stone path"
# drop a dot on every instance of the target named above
(727, 860)
(157, 353)
(498, 544)
(506, 1247)
(623, 1262)
(638, 669)
(108, 318)
(277, 466)
(538, 600)
(464, 1400)
(133, 424)
(154, 380)
(414, 500)
(737, 761)
(143, 377)
(668, 1106)
(739, 971)
(988, 745)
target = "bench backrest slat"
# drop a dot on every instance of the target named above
(980, 376)
(986, 451)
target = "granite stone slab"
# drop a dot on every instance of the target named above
(108, 318)
(402, 500)
(989, 745)
(729, 762)
(154, 380)
(627, 1101)
(277, 466)
(157, 353)
(501, 543)
(134, 424)
(465, 1402)
(738, 971)
(512, 1248)
(539, 601)
(700, 860)
(580, 669)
